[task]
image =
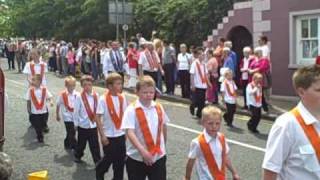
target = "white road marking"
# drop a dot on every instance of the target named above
(174, 125)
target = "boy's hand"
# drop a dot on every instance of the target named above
(147, 158)
(58, 118)
(235, 176)
(104, 141)
(193, 88)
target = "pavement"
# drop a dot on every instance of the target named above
(246, 149)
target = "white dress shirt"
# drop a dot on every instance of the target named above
(184, 60)
(195, 152)
(197, 79)
(245, 75)
(250, 95)
(37, 70)
(145, 63)
(65, 114)
(289, 152)
(233, 88)
(38, 95)
(81, 117)
(103, 109)
(107, 63)
(130, 122)
(265, 51)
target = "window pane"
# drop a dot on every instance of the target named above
(314, 48)
(304, 28)
(314, 27)
(305, 49)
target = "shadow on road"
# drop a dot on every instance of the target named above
(30, 142)
(83, 171)
(65, 160)
(261, 136)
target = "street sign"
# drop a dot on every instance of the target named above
(120, 12)
(125, 27)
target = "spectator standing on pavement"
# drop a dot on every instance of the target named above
(94, 53)
(65, 108)
(261, 65)
(158, 46)
(37, 97)
(228, 62)
(210, 151)
(21, 56)
(199, 83)
(145, 123)
(293, 149)
(219, 51)
(63, 58)
(52, 58)
(110, 111)
(141, 40)
(318, 60)
(71, 61)
(263, 45)
(213, 67)
(85, 108)
(229, 94)
(114, 61)
(244, 69)
(132, 58)
(183, 63)
(254, 101)
(10, 53)
(169, 65)
(234, 57)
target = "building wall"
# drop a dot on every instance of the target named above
(279, 37)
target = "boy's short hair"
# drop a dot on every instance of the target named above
(304, 77)
(145, 81)
(37, 77)
(198, 50)
(228, 71)
(257, 75)
(112, 77)
(210, 111)
(68, 80)
(86, 78)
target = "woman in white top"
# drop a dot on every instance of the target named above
(183, 64)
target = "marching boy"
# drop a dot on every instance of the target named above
(109, 119)
(145, 123)
(65, 105)
(85, 109)
(254, 100)
(229, 94)
(37, 97)
(209, 151)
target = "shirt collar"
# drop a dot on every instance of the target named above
(138, 104)
(207, 137)
(306, 115)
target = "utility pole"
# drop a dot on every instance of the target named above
(117, 21)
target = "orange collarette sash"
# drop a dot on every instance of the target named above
(153, 148)
(33, 71)
(117, 120)
(258, 95)
(309, 131)
(38, 105)
(65, 99)
(202, 75)
(91, 114)
(209, 157)
(232, 92)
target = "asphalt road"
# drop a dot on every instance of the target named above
(246, 153)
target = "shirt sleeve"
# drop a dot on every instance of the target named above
(128, 121)
(165, 116)
(278, 145)
(192, 68)
(101, 106)
(77, 108)
(141, 58)
(194, 149)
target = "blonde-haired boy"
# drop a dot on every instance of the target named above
(209, 151)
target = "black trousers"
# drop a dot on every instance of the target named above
(38, 121)
(198, 100)
(139, 170)
(184, 77)
(244, 91)
(70, 141)
(255, 117)
(228, 115)
(265, 105)
(115, 154)
(11, 61)
(169, 70)
(90, 135)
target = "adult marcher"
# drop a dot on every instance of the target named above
(244, 69)
(169, 64)
(114, 61)
(183, 63)
(293, 148)
(261, 65)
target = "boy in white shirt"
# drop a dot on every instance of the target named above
(293, 148)
(37, 97)
(199, 82)
(85, 108)
(209, 151)
(109, 119)
(65, 106)
(145, 123)
(254, 100)
(229, 94)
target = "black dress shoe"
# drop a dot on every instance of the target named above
(191, 108)
(46, 130)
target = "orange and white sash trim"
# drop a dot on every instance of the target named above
(153, 148)
(151, 58)
(38, 105)
(258, 94)
(117, 120)
(202, 74)
(309, 131)
(230, 89)
(91, 114)
(65, 99)
(209, 157)
(33, 71)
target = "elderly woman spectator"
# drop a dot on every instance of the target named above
(213, 68)
(244, 69)
(183, 63)
(262, 65)
(228, 62)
